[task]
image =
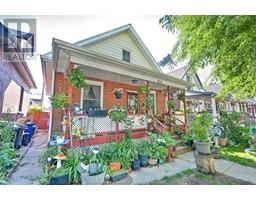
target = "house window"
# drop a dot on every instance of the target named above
(21, 98)
(188, 78)
(132, 103)
(126, 55)
(92, 96)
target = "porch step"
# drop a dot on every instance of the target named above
(181, 150)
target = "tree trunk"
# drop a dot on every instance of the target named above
(204, 163)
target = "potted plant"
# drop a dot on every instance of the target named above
(148, 104)
(117, 114)
(162, 154)
(200, 128)
(77, 78)
(144, 89)
(136, 161)
(143, 152)
(92, 177)
(223, 141)
(153, 155)
(181, 97)
(169, 143)
(59, 101)
(118, 92)
(178, 131)
(60, 176)
(187, 140)
(170, 104)
(116, 176)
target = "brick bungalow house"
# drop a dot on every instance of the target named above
(114, 59)
(16, 79)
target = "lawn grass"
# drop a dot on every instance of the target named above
(194, 177)
(237, 155)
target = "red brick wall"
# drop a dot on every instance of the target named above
(62, 86)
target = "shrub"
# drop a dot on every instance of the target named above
(236, 133)
(33, 109)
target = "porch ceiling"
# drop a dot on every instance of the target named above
(110, 76)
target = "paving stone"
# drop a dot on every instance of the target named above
(242, 172)
(187, 157)
(222, 165)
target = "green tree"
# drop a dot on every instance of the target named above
(226, 42)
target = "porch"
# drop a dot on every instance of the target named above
(104, 74)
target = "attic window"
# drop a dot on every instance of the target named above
(126, 55)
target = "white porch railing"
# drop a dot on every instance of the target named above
(91, 126)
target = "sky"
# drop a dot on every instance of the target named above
(75, 28)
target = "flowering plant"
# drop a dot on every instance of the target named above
(118, 92)
(117, 114)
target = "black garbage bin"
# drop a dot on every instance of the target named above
(19, 135)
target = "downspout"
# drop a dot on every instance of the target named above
(51, 110)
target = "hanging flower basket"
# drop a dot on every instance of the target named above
(118, 92)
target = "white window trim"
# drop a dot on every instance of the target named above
(97, 83)
(155, 102)
(125, 49)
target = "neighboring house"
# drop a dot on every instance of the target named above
(114, 59)
(16, 79)
(35, 100)
(197, 97)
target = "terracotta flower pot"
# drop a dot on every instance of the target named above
(115, 166)
(223, 142)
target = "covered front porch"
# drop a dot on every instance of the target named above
(91, 122)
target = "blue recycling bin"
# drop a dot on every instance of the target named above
(28, 133)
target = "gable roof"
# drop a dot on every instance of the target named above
(102, 36)
(213, 87)
(179, 73)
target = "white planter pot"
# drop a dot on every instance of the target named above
(203, 147)
(93, 180)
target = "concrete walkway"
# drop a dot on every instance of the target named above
(228, 168)
(30, 169)
(184, 162)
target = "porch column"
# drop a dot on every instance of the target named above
(169, 110)
(185, 109)
(168, 97)
(240, 107)
(214, 111)
(253, 111)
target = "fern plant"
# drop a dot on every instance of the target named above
(200, 127)
(77, 78)
(59, 101)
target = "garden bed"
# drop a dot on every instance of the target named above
(193, 177)
(238, 155)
